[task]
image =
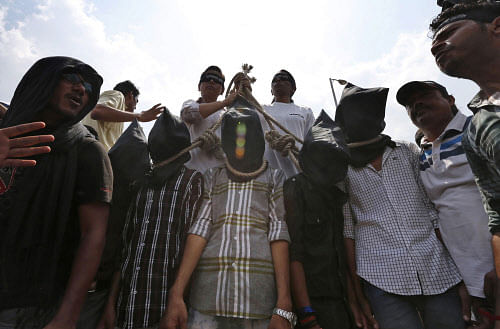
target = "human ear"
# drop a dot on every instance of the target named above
(451, 100)
(496, 26)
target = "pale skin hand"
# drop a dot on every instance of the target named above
(13, 150)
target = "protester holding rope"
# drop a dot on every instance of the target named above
(202, 114)
(297, 119)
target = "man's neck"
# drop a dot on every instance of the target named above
(432, 133)
(282, 99)
(488, 78)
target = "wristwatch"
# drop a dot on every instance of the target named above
(290, 316)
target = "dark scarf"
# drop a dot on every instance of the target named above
(363, 155)
(39, 227)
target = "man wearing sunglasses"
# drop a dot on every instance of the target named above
(297, 119)
(466, 44)
(200, 115)
(116, 107)
(54, 215)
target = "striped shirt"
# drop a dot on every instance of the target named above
(449, 182)
(235, 274)
(154, 236)
(392, 221)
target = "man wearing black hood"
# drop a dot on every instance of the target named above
(408, 276)
(313, 205)
(160, 214)
(53, 215)
(238, 246)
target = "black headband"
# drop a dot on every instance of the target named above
(479, 15)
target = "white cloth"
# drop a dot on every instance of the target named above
(449, 182)
(298, 120)
(190, 114)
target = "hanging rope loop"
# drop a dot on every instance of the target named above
(284, 144)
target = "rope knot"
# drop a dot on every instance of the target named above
(210, 143)
(284, 144)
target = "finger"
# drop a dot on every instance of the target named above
(27, 151)
(30, 140)
(18, 163)
(22, 129)
(155, 106)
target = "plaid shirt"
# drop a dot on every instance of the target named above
(154, 237)
(392, 221)
(481, 142)
(235, 274)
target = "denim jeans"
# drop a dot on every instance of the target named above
(392, 311)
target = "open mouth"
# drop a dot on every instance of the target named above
(75, 100)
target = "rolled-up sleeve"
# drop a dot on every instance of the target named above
(278, 230)
(202, 226)
(190, 112)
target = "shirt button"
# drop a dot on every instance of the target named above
(137, 268)
(317, 220)
(147, 221)
(143, 244)
(233, 265)
(236, 238)
(134, 292)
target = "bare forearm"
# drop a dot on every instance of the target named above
(279, 252)
(192, 253)
(207, 109)
(115, 288)
(299, 287)
(104, 113)
(83, 272)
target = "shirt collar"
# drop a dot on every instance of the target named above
(481, 100)
(456, 124)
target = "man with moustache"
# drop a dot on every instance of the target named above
(466, 44)
(53, 215)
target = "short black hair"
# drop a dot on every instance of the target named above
(126, 87)
(461, 8)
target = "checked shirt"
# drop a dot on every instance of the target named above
(392, 221)
(239, 220)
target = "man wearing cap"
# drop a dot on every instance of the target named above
(466, 44)
(297, 119)
(200, 115)
(116, 107)
(449, 182)
(408, 276)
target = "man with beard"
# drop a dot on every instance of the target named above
(406, 273)
(313, 204)
(53, 215)
(466, 44)
(238, 246)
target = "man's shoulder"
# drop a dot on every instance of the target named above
(111, 94)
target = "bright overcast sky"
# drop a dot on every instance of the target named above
(163, 46)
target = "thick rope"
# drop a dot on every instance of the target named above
(246, 175)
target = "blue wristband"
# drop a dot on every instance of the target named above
(307, 309)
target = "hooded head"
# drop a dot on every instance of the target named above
(243, 140)
(324, 156)
(40, 85)
(168, 137)
(361, 112)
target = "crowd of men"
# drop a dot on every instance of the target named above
(105, 228)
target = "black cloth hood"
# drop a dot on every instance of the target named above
(324, 155)
(361, 112)
(38, 84)
(168, 137)
(38, 214)
(243, 139)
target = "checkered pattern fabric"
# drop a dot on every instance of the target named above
(392, 221)
(235, 274)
